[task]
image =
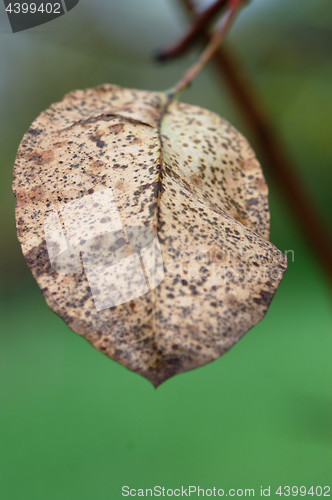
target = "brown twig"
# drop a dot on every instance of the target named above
(196, 30)
(274, 155)
(209, 51)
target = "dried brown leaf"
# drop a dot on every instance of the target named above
(96, 178)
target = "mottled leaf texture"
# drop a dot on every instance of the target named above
(148, 237)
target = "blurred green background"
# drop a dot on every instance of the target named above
(75, 425)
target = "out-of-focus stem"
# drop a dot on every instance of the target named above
(209, 51)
